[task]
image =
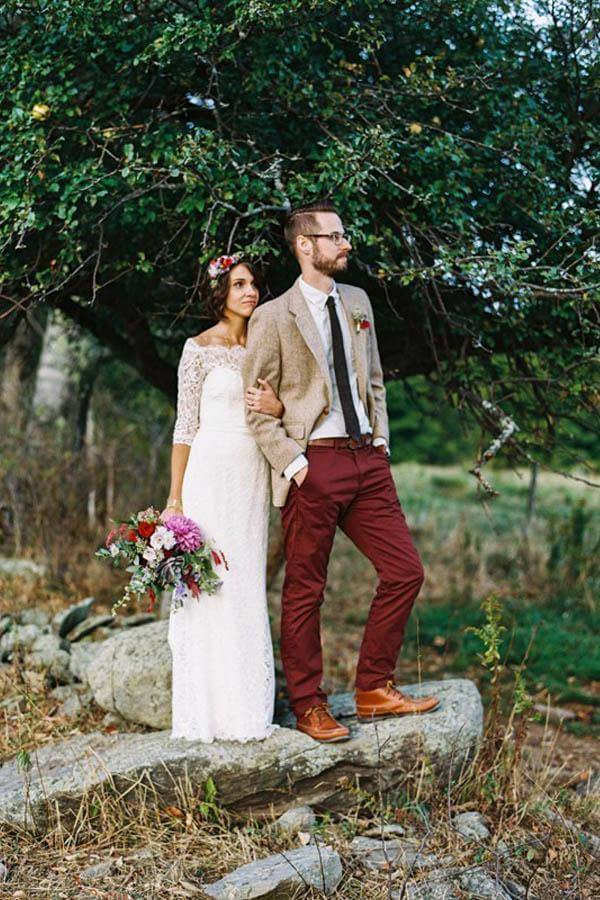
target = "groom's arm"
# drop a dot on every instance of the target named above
(381, 430)
(263, 360)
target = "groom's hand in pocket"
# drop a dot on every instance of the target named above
(300, 475)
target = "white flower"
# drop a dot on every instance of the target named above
(150, 555)
(162, 538)
(113, 550)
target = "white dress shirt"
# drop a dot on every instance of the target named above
(333, 425)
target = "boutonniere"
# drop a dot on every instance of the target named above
(360, 320)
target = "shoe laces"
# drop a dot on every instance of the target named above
(321, 709)
(393, 690)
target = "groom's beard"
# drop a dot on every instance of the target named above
(330, 267)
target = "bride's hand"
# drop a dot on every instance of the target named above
(169, 511)
(264, 399)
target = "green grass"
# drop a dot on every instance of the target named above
(562, 644)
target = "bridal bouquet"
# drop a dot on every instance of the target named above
(161, 556)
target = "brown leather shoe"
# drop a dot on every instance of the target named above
(389, 701)
(320, 724)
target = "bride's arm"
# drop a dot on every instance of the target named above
(179, 457)
(190, 376)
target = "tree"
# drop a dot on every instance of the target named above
(140, 139)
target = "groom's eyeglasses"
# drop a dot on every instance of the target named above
(336, 236)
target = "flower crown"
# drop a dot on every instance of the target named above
(222, 264)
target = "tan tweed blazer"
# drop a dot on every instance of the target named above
(285, 348)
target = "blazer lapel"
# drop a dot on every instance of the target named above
(358, 353)
(298, 306)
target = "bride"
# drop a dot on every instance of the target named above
(223, 668)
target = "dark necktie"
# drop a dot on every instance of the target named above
(341, 372)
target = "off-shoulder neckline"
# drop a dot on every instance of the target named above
(215, 346)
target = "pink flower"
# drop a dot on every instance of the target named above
(186, 531)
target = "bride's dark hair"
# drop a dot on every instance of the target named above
(214, 291)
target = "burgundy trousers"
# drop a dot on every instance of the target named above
(355, 490)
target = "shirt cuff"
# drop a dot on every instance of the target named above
(378, 441)
(296, 464)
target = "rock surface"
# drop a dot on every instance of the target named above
(34, 616)
(23, 568)
(295, 819)
(137, 619)
(89, 625)
(68, 618)
(471, 826)
(73, 699)
(98, 870)
(281, 875)
(81, 657)
(391, 854)
(131, 675)
(48, 652)
(18, 638)
(439, 889)
(481, 885)
(259, 777)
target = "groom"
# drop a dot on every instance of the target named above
(316, 346)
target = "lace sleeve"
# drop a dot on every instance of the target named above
(190, 375)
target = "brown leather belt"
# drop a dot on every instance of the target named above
(342, 443)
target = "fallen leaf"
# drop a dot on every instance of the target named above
(173, 811)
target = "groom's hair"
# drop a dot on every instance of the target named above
(302, 220)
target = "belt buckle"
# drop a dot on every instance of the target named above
(353, 444)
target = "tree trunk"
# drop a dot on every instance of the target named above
(18, 367)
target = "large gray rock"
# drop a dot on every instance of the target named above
(281, 875)
(261, 778)
(131, 675)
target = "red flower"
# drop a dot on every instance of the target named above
(152, 596)
(146, 529)
(131, 535)
(110, 537)
(192, 585)
(365, 324)
(216, 558)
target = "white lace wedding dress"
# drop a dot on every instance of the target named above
(223, 669)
